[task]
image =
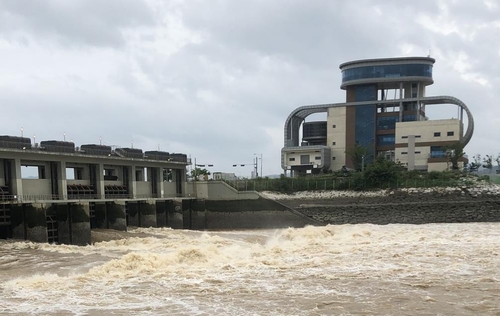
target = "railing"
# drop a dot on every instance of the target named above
(45, 198)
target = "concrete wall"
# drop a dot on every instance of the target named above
(28, 221)
(217, 190)
(251, 214)
(141, 213)
(37, 187)
(169, 189)
(110, 215)
(424, 132)
(143, 188)
(337, 134)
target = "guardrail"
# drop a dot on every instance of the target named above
(79, 197)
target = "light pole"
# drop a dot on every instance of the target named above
(22, 131)
(261, 175)
(253, 164)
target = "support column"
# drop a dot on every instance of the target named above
(159, 182)
(147, 212)
(17, 181)
(132, 182)
(100, 181)
(61, 180)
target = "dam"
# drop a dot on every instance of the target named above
(73, 190)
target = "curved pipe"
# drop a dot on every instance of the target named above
(293, 121)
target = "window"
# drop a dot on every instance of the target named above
(333, 158)
(417, 152)
(450, 133)
(404, 153)
(437, 134)
(333, 143)
(417, 136)
(387, 71)
(291, 159)
(437, 152)
(334, 126)
(317, 158)
(409, 118)
(387, 122)
(386, 140)
(404, 137)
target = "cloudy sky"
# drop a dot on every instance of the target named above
(216, 79)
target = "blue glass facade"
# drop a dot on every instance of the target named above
(388, 71)
(409, 118)
(386, 140)
(387, 122)
(438, 152)
(365, 119)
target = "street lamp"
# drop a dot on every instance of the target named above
(253, 164)
(261, 175)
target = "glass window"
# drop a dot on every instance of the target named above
(333, 158)
(388, 71)
(365, 129)
(386, 140)
(438, 152)
(387, 122)
(291, 159)
(317, 158)
(333, 143)
(366, 93)
(409, 118)
(404, 137)
(437, 134)
(450, 133)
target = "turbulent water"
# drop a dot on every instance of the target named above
(435, 269)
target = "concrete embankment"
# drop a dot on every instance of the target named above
(411, 206)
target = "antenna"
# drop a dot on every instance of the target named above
(429, 53)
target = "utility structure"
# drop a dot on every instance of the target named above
(254, 164)
(385, 112)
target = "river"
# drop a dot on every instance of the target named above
(433, 269)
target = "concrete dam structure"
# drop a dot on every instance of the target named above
(73, 190)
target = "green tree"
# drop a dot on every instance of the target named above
(488, 162)
(356, 155)
(454, 153)
(473, 166)
(196, 172)
(382, 172)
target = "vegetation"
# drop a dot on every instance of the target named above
(454, 153)
(381, 174)
(356, 155)
(197, 172)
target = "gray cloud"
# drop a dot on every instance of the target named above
(217, 79)
(89, 22)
